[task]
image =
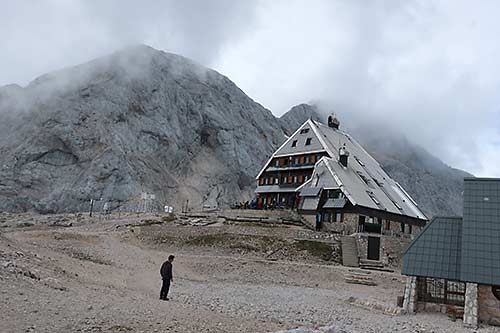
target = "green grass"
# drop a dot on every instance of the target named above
(317, 249)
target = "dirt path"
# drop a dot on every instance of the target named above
(98, 279)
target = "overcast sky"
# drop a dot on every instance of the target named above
(431, 68)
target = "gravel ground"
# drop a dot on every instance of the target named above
(103, 277)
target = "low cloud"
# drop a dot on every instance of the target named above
(430, 69)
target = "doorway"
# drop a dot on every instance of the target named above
(373, 248)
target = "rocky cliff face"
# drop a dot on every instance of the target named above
(142, 120)
(435, 186)
(137, 121)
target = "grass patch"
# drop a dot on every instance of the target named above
(252, 243)
(317, 249)
(210, 240)
(168, 218)
(147, 222)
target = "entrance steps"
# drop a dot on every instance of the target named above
(374, 265)
(349, 252)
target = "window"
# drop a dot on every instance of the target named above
(327, 217)
(306, 177)
(359, 161)
(337, 217)
(304, 130)
(276, 180)
(296, 160)
(397, 205)
(387, 225)
(308, 159)
(295, 179)
(440, 291)
(308, 141)
(294, 143)
(375, 200)
(266, 181)
(277, 163)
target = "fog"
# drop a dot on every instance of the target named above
(430, 69)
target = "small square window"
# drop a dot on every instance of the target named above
(294, 143)
(338, 217)
(308, 141)
(304, 130)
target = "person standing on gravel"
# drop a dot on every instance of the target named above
(166, 275)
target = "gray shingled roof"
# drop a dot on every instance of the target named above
(481, 231)
(364, 182)
(310, 192)
(310, 203)
(335, 203)
(436, 251)
(315, 144)
(467, 250)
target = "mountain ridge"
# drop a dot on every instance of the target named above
(138, 120)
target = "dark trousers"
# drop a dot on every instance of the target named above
(164, 288)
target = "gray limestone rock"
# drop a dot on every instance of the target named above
(142, 120)
(139, 120)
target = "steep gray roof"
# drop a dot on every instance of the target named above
(363, 181)
(436, 252)
(300, 144)
(465, 249)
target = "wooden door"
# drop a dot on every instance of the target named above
(373, 248)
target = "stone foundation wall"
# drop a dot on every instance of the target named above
(351, 222)
(348, 226)
(489, 306)
(410, 296)
(334, 227)
(471, 309)
(392, 248)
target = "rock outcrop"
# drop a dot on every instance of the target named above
(139, 120)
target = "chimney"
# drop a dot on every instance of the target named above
(343, 156)
(333, 122)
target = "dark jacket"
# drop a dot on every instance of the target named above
(166, 270)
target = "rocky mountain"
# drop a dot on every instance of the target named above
(142, 120)
(435, 186)
(139, 120)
